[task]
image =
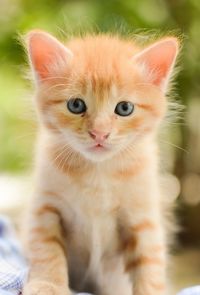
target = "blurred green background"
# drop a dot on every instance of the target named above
(17, 127)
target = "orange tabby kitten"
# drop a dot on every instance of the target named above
(96, 222)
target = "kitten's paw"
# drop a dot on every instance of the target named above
(44, 288)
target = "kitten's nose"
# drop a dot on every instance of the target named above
(98, 135)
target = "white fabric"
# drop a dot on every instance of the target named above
(190, 291)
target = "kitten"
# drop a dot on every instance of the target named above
(96, 221)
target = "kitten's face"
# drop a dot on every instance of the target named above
(100, 124)
(101, 102)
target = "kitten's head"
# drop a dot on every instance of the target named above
(101, 94)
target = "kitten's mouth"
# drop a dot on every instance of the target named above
(98, 147)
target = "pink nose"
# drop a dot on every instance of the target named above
(98, 135)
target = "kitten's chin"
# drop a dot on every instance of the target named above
(97, 154)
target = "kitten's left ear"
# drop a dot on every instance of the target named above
(47, 55)
(158, 60)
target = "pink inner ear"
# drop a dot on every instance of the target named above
(159, 59)
(45, 51)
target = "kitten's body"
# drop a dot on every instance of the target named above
(93, 206)
(97, 211)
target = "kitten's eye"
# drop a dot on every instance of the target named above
(124, 108)
(76, 106)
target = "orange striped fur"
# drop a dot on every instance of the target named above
(144, 260)
(144, 225)
(96, 223)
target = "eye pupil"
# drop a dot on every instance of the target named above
(76, 106)
(124, 108)
(76, 103)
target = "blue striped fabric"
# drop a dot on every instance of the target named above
(13, 268)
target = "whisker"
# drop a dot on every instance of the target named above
(54, 77)
(166, 122)
(61, 152)
(56, 85)
(66, 159)
(176, 146)
(26, 135)
(66, 150)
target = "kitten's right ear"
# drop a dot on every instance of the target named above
(158, 61)
(47, 55)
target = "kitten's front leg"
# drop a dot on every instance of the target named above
(46, 253)
(145, 255)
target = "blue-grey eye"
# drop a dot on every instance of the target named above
(76, 106)
(124, 108)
